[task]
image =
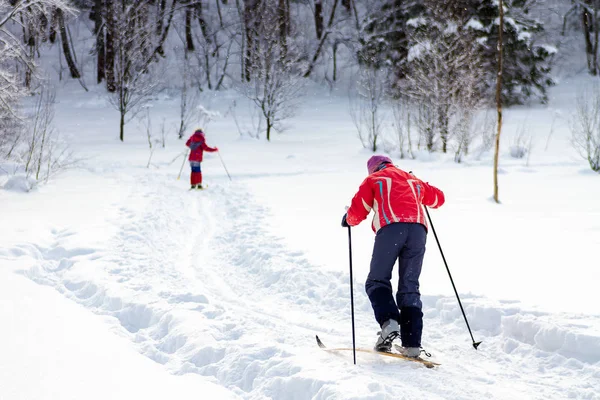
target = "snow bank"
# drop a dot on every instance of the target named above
(53, 348)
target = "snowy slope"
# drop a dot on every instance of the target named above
(231, 284)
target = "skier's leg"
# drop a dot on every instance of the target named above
(196, 177)
(408, 295)
(192, 176)
(388, 241)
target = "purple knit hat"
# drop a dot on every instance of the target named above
(375, 161)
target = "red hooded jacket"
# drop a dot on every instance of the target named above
(395, 196)
(197, 145)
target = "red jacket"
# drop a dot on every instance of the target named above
(197, 145)
(395, 196)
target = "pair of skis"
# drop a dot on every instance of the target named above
(428, 364)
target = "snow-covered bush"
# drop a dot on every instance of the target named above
(37, 151)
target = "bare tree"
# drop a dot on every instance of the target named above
(136, 80)
(467, 101)
(366, 111)
(402, 113)
(275, 89)
(585, 127)
(14, 57)
(444, 77)
(275, 85)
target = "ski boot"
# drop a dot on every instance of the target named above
(412, 352)
(389, 332)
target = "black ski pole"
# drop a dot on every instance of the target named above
(475, 344)
(352, 294)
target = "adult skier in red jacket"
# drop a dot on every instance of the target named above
(197, 145)
(397, 199)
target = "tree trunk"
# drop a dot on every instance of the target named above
(53, 33)
(249, 25)
(64, 38)
(44, 27)
(111, 85)
(499, 99)
(595, 50)
(311, 66)
(122, 126)
(335, 46)
(589, 47)
(319, 18)
(220, 13)
(99, 31)
(162, 6)
(268, 129)
(202, 22)
(189, 40)
(443, 126)
(284, 21)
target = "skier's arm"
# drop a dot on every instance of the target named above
(206, 147)
(433, 197)
(361, 204)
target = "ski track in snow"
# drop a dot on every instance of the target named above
(197, 284)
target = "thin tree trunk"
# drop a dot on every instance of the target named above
(311, 66)
(499, 99)
(219, 12)
(99, 31)
(162, 6)
(284, 20)
(44, 27)
(109, 10)
(595, 50)
(249, 26)
(64, 38)
(202, 22)
(335, 46)
(189, 40)
(53, 33)
(122, 126)
(319, 18)
(589, 47)
(443, 125)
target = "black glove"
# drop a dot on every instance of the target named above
(344, 223)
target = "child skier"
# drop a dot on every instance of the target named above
(197, 145)
(397, 198)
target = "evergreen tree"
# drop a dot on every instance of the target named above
(527, 65)
(395, 31)
(384, 40)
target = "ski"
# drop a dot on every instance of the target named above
(204, 187)
(428, 364)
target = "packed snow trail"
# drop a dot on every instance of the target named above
(198, 284)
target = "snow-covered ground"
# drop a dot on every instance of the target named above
(117, 282)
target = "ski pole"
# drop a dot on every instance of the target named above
(475, 344)
(351, 294)
(182, 164)
(219, 153)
